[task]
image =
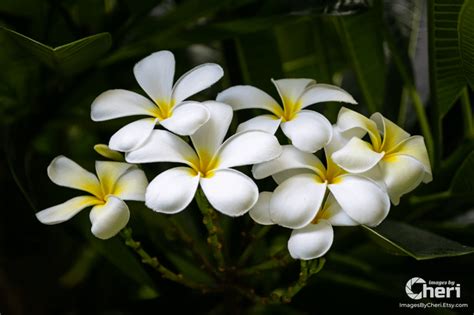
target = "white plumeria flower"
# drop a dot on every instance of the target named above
(308, 130)
(305, 183)
(208, 165)
(401, 161)
(115, 182)
(316, 238)
(167, 106)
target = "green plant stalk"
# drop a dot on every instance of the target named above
(189, 241)
(412, 92)
(210, 220)
(274, 262)
(155, 264)
(402, 112)
(256, 234)
(308, 268)
(467, 114)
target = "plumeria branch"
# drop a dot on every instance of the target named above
(191, 244)
(155, 263)
(308, 268)
(279, 260)
(215, 237)
(257, 232)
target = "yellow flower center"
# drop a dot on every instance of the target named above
(164, 109)
(205, 165)
(289, 110)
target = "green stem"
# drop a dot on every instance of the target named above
(256, 234)
(308, 268)
(467, 114)
(402, 112)
(274, 262)
(414, 200)
(210, 220)
(155, 264)
(189, 241)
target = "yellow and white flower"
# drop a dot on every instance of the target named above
(209, 165)
(167, 105)
(115, 182)
(392, 155)
(308, 130)
(313, 240)
(304, 184)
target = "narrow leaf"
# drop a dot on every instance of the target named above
(364, 49)
(466, 39)
(447, 79)
(463, 181)
(403, 239)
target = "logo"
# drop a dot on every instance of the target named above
(432, 289)
(409, 291)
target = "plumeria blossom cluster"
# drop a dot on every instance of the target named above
(344, 174)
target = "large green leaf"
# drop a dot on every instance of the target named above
(364, 48)
(463, 181)
(403, 239)
(466, 39)
(447, 79)
(67, 59)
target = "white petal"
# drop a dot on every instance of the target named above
(282, 176)
(291, 89)
(65, 172)
(155, 75)
(248, 147)
(120, 103)
(210, 136)
(335, 214)
(290, 158)
(318, 93)
(260, 213)
(163, 146)
(246, 96)
(308, 131)
(268, 123)
(296, 201)
(392, 134)
(66, 210)
(230, 192)
(348, 119)
(341, 138)
(172, 191)
(187, 118)
(131, 185)
(362, 199)
(401, 174)
(133, 135)
(108, 219)
(357, 156)
(416, 148)
(195, 80)
(312, 241)
(109, 173)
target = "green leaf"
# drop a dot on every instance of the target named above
(364, 49)
(446, 73)
(67, 59)
(403, 239)
(463, 181)
(466, 39)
